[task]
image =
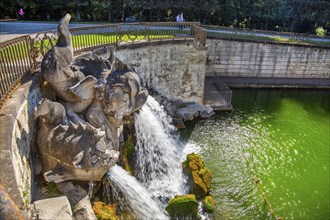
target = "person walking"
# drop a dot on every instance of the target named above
(179, 18)
(21, 14)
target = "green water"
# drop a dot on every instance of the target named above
(280, 136)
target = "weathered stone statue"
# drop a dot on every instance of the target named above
(81, 121)
(71, 151)
(72, 87)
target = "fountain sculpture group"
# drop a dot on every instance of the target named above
(81, 117)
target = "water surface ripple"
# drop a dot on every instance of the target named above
(279, 136)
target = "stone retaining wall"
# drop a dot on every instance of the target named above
(176, 69)
(17, 134)
(233, 58)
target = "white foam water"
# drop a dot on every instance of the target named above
(158, 149)
(159, 155)
(135, 194)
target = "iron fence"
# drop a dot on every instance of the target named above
(88, 38)
(20, 56)
(16, 60)
(42, 43)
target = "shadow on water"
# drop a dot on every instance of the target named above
(269, 99)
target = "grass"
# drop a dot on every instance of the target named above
(16, 52)
(80, 41)
(266, 38)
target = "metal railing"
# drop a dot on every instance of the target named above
(20, 56)
(42, 43)
(16, 60)
(88, 38)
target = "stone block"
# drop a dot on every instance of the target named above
(189, 112)
(84, 210)
(53, 209)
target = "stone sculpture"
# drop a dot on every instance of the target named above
(80, 123)
(71, 151)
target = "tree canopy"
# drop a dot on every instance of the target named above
(283, 15)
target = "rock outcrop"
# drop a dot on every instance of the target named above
(183, 207)
(182, 111)
(200, 175)
(209, 204)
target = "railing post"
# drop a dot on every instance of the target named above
(33, 54)
(199, 36)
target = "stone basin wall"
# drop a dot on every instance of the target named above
(239, 58)
(176, 70)
(17, 135)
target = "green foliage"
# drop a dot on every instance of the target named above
(320, 31)
(283, 15)
(52, 189)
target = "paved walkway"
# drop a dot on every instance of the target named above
(10, 30)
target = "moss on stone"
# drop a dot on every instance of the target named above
(104, 212)
(183, 207)
(199, 187)
(128, 150)
(206, 175)
(201, 177)
(209, 204)
(194, 162)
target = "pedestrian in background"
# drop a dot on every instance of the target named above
(21, 14)
(179, 18)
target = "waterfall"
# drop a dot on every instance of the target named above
(158, 150)
(159, 154)
(135, 194)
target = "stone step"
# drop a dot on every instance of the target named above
(217, 94)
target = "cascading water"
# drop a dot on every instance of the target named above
(158, 149)
(135, 194)
(159, 155)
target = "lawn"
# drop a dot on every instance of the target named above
(21, 50)
(250, 36)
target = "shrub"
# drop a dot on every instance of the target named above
(320, 31)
